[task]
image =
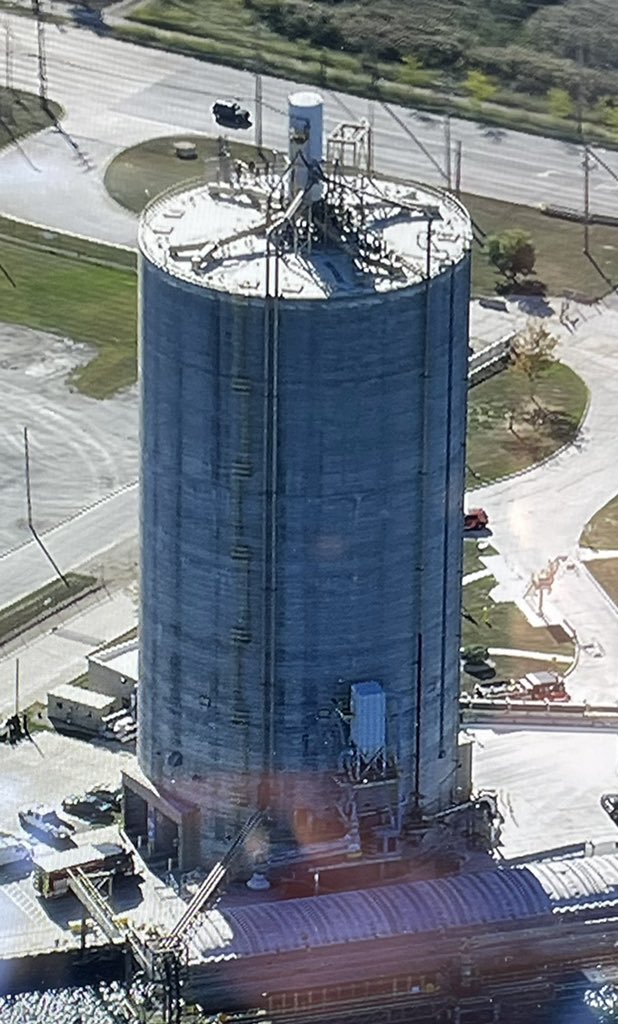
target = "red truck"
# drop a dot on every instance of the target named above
(476, 519)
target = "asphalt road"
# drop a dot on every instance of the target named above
(117, 94)
(72, 543)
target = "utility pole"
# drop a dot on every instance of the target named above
(586, 249)
(371, 120)
(258, 109)
(580, 92)
(31, 526)
(458, 149)
(447, 151)
(42, 61)
(16, 686)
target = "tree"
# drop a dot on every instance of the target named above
(480, 86)
(532, 352)
(512, 252)
(560, 103)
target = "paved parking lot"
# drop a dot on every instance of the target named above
(45, 771)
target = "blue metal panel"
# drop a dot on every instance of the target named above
(491, 897)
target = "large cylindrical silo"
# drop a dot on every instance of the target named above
(303, 387)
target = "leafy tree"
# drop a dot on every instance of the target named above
(480, 86)
(532, 352)
(512, 252)
(412, 72)
(607, 112)
(560, 103)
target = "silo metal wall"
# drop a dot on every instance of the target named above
(366, 435)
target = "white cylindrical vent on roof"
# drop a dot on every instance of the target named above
(305, 111)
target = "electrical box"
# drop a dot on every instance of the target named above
(368, 724)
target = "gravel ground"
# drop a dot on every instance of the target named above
(81, 449)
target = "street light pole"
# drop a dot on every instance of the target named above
(42, 61)
(447, 151)
(586, 201)
(258, 109)
(458, 149)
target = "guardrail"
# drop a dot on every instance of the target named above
(539, 713)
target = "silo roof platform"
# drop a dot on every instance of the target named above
(365, 235)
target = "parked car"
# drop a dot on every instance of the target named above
(89, 806)
(231, 114)
(113, 797)
(476, 519)
(45, 822)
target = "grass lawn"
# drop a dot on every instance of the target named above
(602, 530)
(503, 625)
(494, 450)
(472, 555)
(57, 242)
(50, 598)
(78, 299)
(605, 572)
(138, 174)
(560, 264)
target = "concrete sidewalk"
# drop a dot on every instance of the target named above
(58, 653)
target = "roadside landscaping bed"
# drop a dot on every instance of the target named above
(601, 532)
(35, 607)
(503, 436)
(59, 243)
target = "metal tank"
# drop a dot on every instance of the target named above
(303, 369)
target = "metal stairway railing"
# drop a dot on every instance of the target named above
(212, 882)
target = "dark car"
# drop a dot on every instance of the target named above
(231, 115)
(113, 797)
(89, 806)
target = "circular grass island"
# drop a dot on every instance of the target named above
(140, 173)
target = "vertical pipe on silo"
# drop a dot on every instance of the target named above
(269, 534)
(265, 524)
(446, 517)
(274, 495)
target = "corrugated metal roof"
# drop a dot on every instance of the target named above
(577, 880)
(410, 908)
